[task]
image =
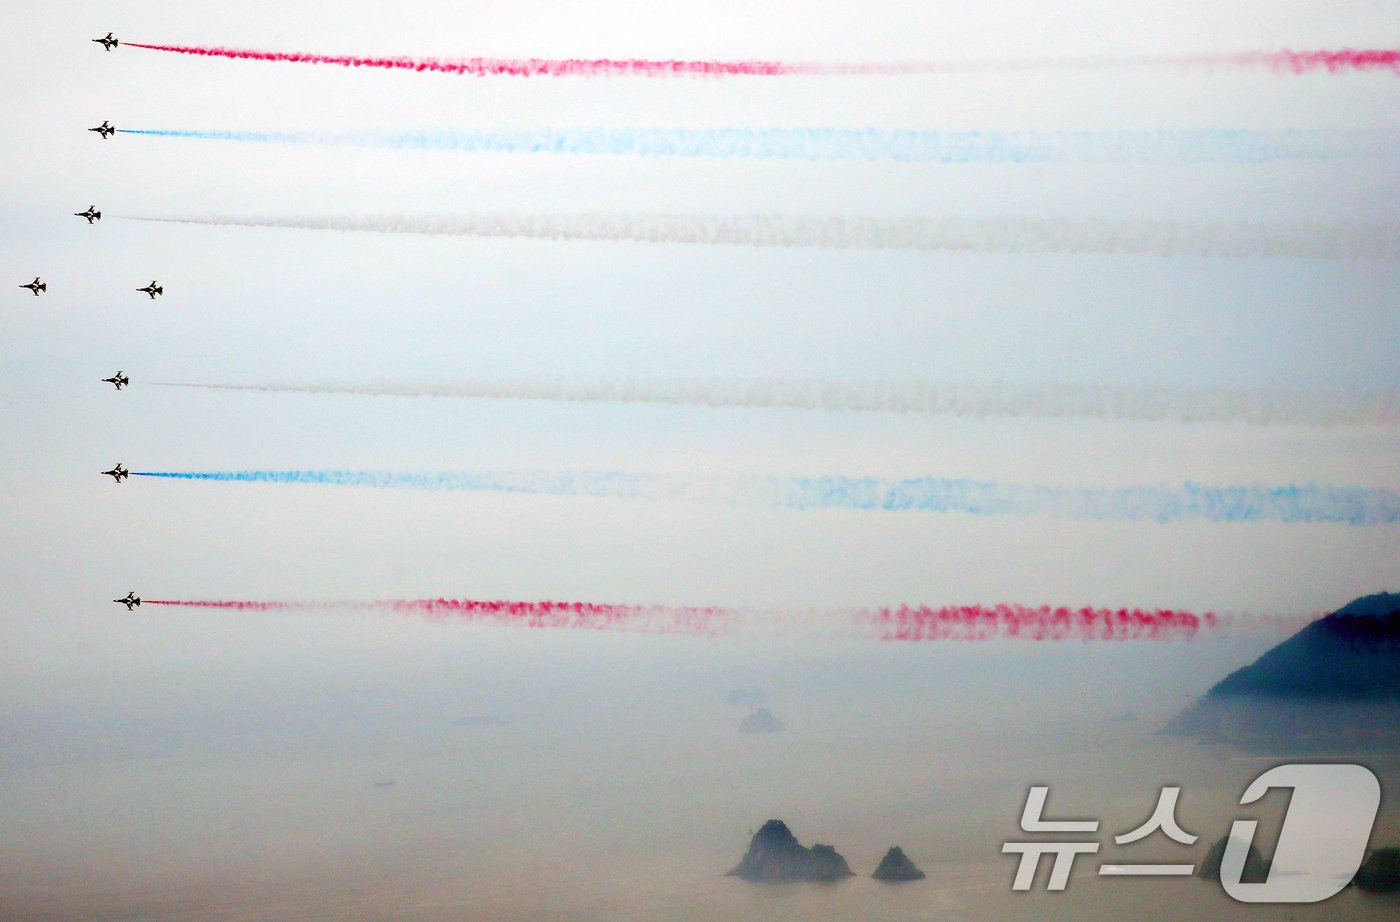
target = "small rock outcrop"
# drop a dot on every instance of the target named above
(1380, 873)
(775, 856)
(1256, 868)
(897, 866)
(761, 721)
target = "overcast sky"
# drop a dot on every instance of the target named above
(254, 304)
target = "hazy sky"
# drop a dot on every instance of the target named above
(248, 304)
(244, 304)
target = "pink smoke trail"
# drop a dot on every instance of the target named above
(1332, 61)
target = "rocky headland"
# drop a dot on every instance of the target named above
(1334, 684)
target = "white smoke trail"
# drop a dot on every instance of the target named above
(975, 235)
(1260, 408)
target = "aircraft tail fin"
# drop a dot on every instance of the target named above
(160, 289)
(43, 286)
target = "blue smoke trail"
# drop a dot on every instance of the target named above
(899, 145)
(587, 483)
(1302, 504)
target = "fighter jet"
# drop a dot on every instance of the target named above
(36, 286)
(108, 43)
(131, 601)
(92, 214)
(153, 289)
(118, 379)
(105, 130)
(118, 473)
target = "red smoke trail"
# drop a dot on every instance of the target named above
(904, 623)
(585, 615)
(1302, 62)
(242, 606)
(509, 67)
(588, 615)
(1022, 622)
(1332, 61)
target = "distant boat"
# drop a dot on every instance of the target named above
(384, 784)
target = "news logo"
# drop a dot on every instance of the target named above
(1320, 848)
